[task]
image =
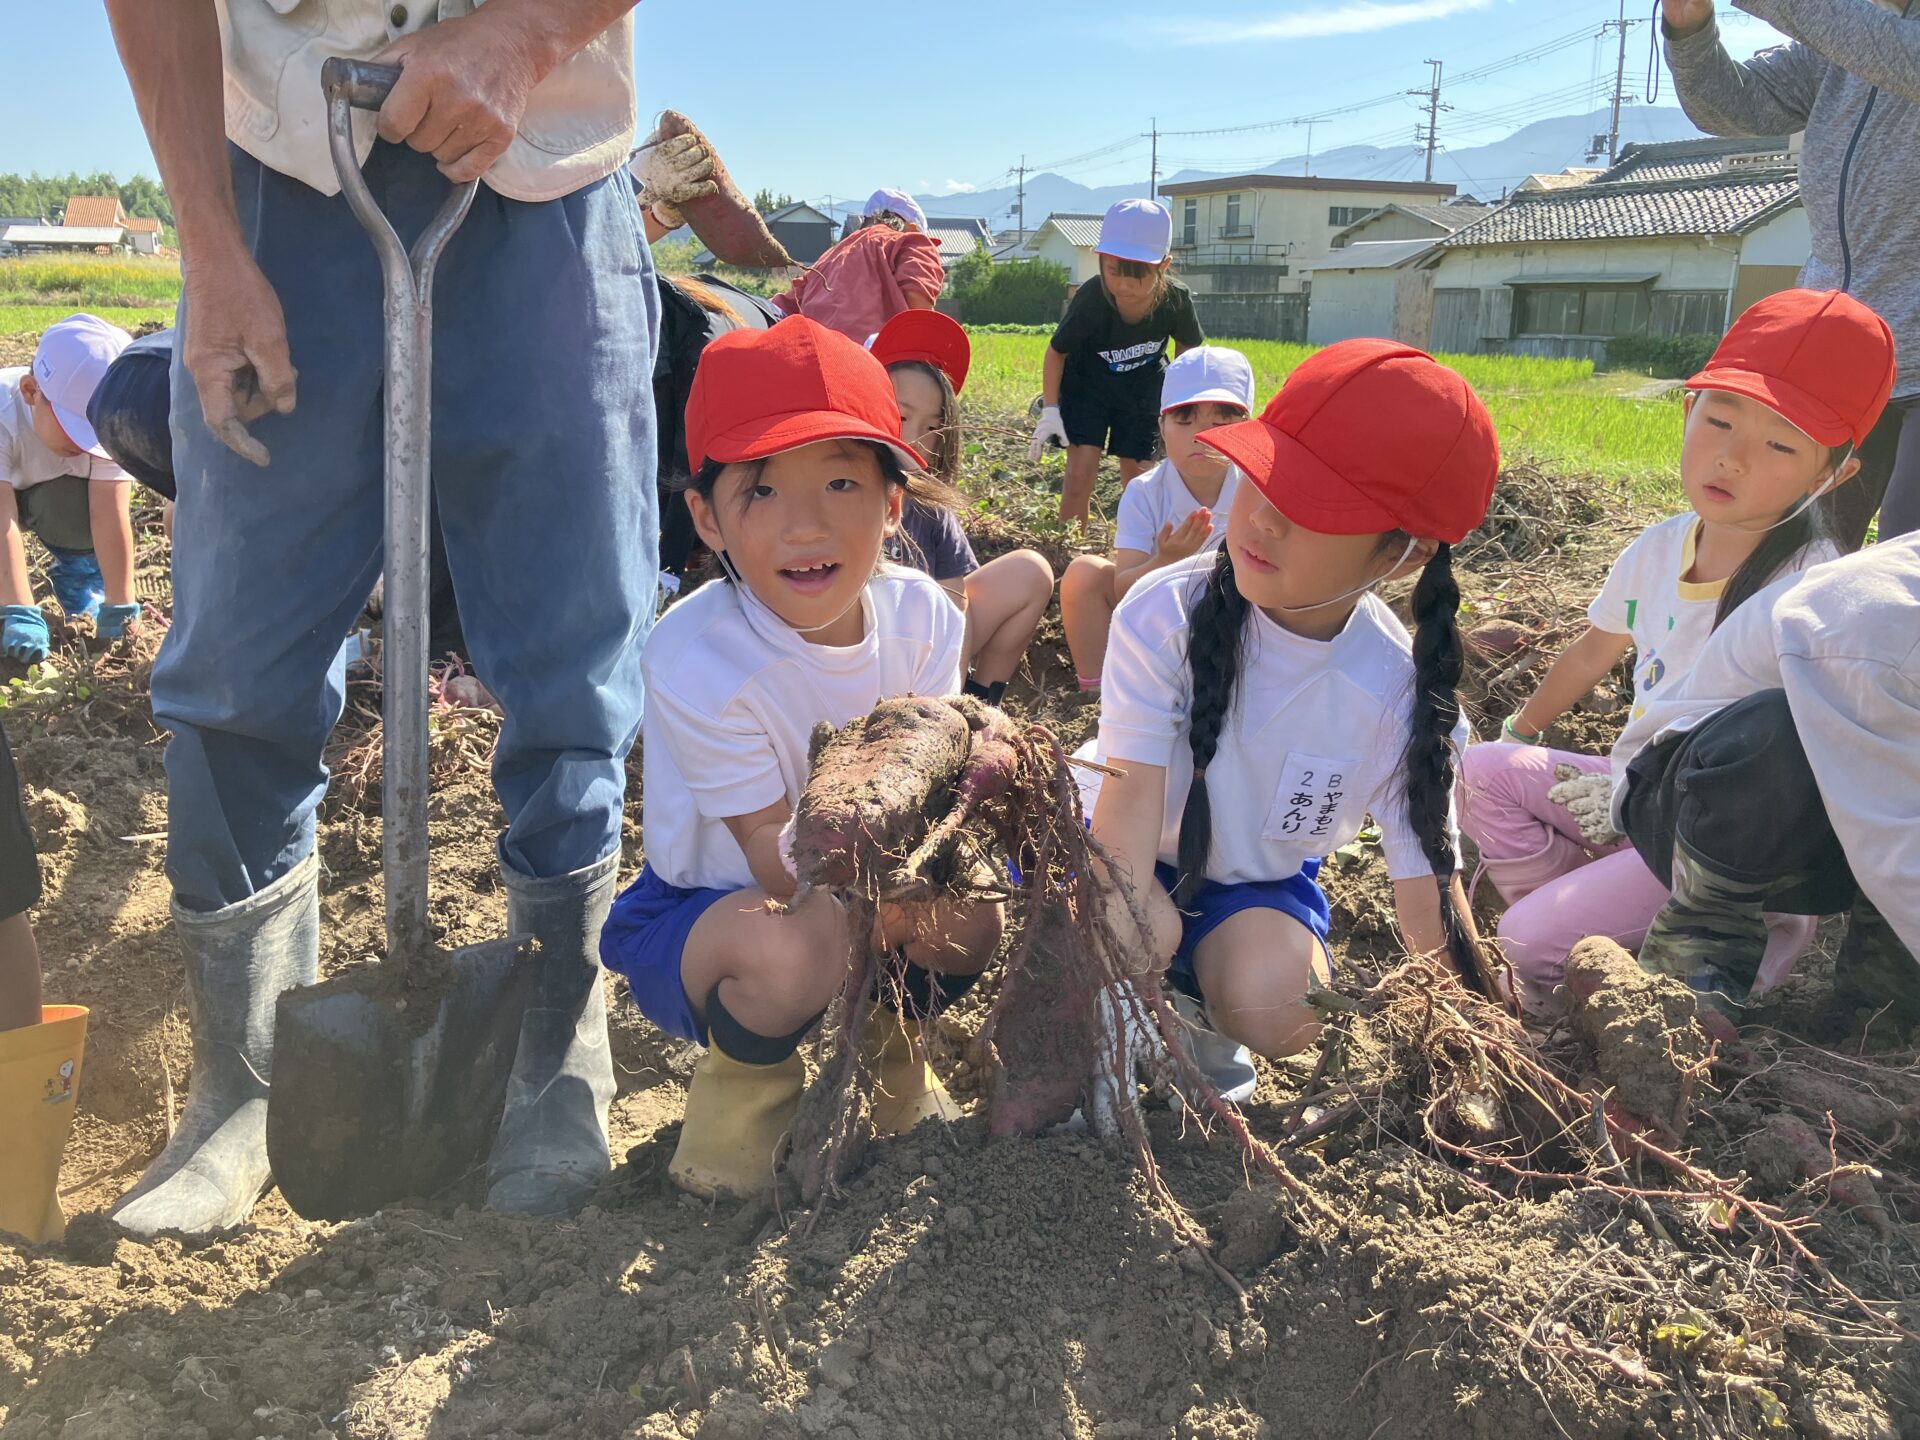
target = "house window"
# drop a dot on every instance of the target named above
(1190, 224)
(1584, 310)
(1341, 216)
(1689, 312)
(1233, 214)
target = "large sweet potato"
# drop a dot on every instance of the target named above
(725, 221)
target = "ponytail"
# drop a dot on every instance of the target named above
(1438, 662)
(1215, 640)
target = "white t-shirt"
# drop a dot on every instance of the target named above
(1843, 642)
(24, 461)
(1668, 618)
(1159, 498)
(1313, 744)
(733, 694)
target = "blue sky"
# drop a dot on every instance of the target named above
(836, 99)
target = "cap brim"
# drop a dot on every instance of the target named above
(79, 431)
(1140, 254)
(769, 436)
(1813, 418)
(1215, 396)
(1297, 482)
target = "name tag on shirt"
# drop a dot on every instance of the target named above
(1314, 789)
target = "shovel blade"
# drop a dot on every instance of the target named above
(373, 1102)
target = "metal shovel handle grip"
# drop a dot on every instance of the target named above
(407, 285)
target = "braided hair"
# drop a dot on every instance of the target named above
(1216, 639)
(1428, 765)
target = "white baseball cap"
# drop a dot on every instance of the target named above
(1208, 375)
(69, 365)
(1137, 230)
(900, 203)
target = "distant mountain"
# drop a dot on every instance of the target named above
(1484, 171)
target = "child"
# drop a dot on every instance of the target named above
(1798, 381)
(57, 481)
(1178, 509)
(1101, 383)
(888, 265)
(1784, 774)
(927, 355)
(1260, 702)
(40, 1047)
(799, 478)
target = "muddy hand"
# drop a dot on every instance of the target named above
(1589, 799)
(672, 170)
(234, 345)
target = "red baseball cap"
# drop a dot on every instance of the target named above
(928, 336)
(1369, 436)
(1820, 358)
(758, 392)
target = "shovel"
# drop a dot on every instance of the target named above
(389, 1080)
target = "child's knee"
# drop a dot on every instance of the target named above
(799, 959)
(1033, 577)
(1085, 580)
(1269, 1029)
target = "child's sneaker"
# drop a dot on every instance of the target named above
(1227, 1064)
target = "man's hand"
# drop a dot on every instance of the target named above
(463, 87)
(1179, 542)
(235, 348)
(1685, 17)
(672, 170)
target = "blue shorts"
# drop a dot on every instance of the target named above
(1298, 896)
(644, 938)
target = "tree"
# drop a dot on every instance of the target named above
(1020, 292)
(766, 202)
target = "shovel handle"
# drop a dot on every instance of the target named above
(407, 285)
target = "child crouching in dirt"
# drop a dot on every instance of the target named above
(56, 480)
(1260, 702)
(799, 478)
(927, 356)
(1772, 424)
(1171, 513)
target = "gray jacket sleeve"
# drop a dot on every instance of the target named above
(1882, 48)
(1771, 94)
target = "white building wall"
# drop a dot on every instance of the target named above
(1080, 261)
(1350, 303)
(1682, 262)
(1295, 219)
(1786, 239)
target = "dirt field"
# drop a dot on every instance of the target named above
(963, 1288)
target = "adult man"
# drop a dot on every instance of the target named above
(545, 319)
(1851, 80)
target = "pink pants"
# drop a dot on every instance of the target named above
(1559, 889)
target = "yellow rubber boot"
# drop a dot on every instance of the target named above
(736, 1116)
(905, 1089)
(39, 1085)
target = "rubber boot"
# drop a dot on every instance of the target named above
(239, 959)
(76, 581)
(39, 1086)
(551, 1152)
(1227, 1064)
(1710, 936)
(737, 1115)
(905, 1089)
(1873, 970)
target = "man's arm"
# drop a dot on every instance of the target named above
(235, 339)
(1879, 46)
(1771, 94)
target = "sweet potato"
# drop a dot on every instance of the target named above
(725, 221)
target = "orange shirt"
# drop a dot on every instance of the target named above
(860, 284)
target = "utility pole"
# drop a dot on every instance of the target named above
(1307, 168)
(1020, 203)
(1623, 25)
(1153, 172)
(1432, 135)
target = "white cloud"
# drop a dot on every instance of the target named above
(954, 187)
(1346, 17)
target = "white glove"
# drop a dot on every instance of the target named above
(1589, 799)
(1050, 430)
(672, 171)
(1125, 1043)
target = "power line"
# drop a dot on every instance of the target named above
(1434, 107)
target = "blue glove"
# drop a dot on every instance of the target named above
(23, 634)
(77, 583)
(112, 620)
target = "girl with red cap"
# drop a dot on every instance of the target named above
(1772, 424)
(927, 356)
(799, 477)
(1260, 701)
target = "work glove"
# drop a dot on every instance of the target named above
(1589, 799)
(1051, 430)
(672, 171)
(1123, 1044)
(1510, 732)
(112, 621)
(77, 582)
(23, 634)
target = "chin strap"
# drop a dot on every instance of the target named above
(1833, 478)
(746, 589)
(1349, 594)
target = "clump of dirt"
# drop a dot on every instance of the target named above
(1644, 1031)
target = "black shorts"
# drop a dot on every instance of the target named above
(1120, 423)
(19, 861)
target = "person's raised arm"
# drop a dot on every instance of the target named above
(1771, 94)
(1879, 46)
(234, 338)
(1581, 666)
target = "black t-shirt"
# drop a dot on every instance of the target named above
(940, 547)
(1104, 350)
